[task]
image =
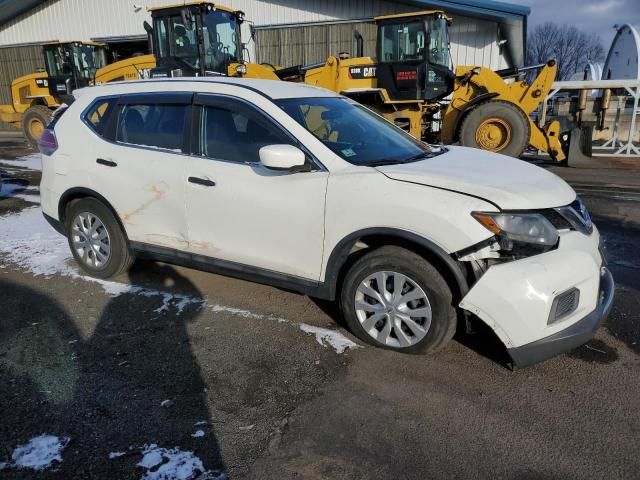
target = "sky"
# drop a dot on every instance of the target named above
(597, 16)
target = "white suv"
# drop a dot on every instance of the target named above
(300, 188)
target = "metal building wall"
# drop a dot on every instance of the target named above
(83, 20)
(473, 40)
(15, 62)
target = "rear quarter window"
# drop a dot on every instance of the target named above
(97, 116)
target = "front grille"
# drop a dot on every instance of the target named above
(563, 305)
(556, 219)
(577, 216)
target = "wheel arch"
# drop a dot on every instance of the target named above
(78, 193)
(346, 252)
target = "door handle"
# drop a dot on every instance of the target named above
(106, 163)
(202, 181)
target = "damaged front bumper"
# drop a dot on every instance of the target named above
(520, 300)
(573, 336)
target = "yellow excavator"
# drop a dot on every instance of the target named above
(69, 65)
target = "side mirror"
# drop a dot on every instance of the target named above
(282, 157)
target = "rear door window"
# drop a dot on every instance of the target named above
(154, 125)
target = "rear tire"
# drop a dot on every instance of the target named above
(96, 239)
(496, 126)
(34, 121)
(384, 317)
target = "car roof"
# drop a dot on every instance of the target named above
(273, 89)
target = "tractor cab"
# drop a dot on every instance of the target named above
(413, 59)
(72, 65)
(195, 39)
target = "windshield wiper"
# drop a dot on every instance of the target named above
(410, 159)
(420, 155)
(381, 163)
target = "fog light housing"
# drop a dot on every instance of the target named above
(564, 305)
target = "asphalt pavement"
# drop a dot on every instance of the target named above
(169, 371)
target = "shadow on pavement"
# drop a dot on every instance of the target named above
(102, 384)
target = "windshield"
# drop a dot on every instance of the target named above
(353, 132)
(184, 45)
(402, 41)
(439, 41)
(219, 35)
(87, 59)
(221, 40)
(63, 60)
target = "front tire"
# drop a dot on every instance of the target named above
(393, 298)
(96, 239)
(34, 121)
(496, 126)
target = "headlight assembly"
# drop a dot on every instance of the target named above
(520, 230)
(578, 216)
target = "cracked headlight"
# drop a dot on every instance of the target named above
(515, 230)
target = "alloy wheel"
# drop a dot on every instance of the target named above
(90, 240)
(393, 309)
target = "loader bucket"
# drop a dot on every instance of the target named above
(579, 151)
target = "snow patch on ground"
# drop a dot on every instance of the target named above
(332, 338)
(198, 434)
(32, 162)
(39, 453)
(27, 240)
(236, 311)
(174, 464)
(28, 198)
(113, 455)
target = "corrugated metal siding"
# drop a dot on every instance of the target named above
(83, 20)
(15, 62)
(473, 42)
(311, 44)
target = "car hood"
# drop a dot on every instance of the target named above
(510, 183)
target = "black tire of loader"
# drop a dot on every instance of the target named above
(517, 120)
(36, 113)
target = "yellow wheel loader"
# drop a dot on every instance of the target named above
(69, 65)
(410, 80)
(199, 38)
